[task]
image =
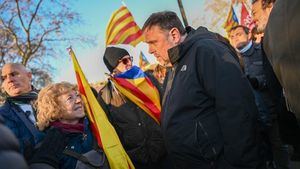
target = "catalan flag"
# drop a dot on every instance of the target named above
(231, 20)
(104, 132)
(143, 62)
(122, 29)
(137, 87)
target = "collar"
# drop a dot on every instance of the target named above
(175, 52)
(247, 47)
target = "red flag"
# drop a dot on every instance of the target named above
(246, 19)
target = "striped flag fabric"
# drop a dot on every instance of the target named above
(137, 87)
(122, 29)
(231, 20)
(104, 132)
(143, 62)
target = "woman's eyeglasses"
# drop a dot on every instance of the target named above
(125, 60)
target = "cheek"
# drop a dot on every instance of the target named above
(67, 109)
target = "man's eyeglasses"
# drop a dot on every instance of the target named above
(125, 60)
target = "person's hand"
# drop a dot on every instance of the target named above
(51, 148)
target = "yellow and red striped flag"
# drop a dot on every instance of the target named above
(122, 29)
(138, 88)
(104, 132)
(143, 62)
(231, 20)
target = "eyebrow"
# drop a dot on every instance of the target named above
(151, 41)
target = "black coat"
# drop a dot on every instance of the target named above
(139, 134)
(10, 157)
(209, 115)
(282, 44)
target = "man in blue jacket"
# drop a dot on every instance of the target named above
(17, 111)
(209, 116)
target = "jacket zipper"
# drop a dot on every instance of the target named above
(213, 149)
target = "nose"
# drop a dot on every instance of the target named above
(78, 99)
(9, 78)
(151, 49)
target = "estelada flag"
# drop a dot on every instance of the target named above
(143, 62)
(104, 132)
(122, 29)
(138, 88)
(231, 20)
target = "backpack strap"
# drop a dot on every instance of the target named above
(80, 157)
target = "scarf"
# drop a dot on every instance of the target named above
(69, 128)
(26, 98)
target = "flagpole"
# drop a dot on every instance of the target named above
(182, 13)
(123, 3)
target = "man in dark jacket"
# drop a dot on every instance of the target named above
(17, 111)
(209, 114)
(267, 91)
(139, 133)
(281, 44)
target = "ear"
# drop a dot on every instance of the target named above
(175, 35)
(269, 7)
(29, 75)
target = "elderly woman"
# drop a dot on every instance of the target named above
(69, 143)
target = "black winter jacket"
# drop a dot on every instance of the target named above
(282, 44)
(209, 115)
(10, 157)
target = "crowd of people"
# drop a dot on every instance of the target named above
(225, 104)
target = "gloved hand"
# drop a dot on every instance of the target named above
(253, 81)
(51, 149)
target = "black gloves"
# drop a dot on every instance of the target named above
(253, 81)
(51, 149)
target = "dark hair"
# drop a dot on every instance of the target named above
(265, 3)
(246, 30)
(165, 20)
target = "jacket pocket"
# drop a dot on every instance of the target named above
(209, 138)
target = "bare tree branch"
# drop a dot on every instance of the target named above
(16, 39)
(28, 29)
(20, 16)
(34, 14)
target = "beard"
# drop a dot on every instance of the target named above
(262, 24)
(261, 28)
